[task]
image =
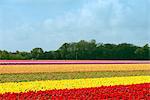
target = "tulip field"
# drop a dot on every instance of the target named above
(69, 80)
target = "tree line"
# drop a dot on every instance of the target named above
(83, 50)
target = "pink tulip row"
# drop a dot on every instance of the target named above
(9, 62)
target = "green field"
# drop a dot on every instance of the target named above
(66, 75)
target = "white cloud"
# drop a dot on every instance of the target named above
(104, 20)
(94, 16)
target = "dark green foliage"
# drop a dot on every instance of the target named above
(37, 53)
(83, 50)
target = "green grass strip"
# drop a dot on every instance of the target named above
(67, 75)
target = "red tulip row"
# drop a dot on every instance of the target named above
(123, 92)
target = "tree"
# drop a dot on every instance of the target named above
(143, 52)
(36, 53)
(64, 49)
(84, 50)
(125, 51)
(4, 55)
(48, 55)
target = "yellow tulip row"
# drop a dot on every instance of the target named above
(70, 84)
(71, 68)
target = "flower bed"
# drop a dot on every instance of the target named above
(124, 92)
(71, 84)
(120, 87)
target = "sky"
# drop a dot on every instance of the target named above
(26, 24)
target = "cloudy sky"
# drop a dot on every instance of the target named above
(26, 24)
